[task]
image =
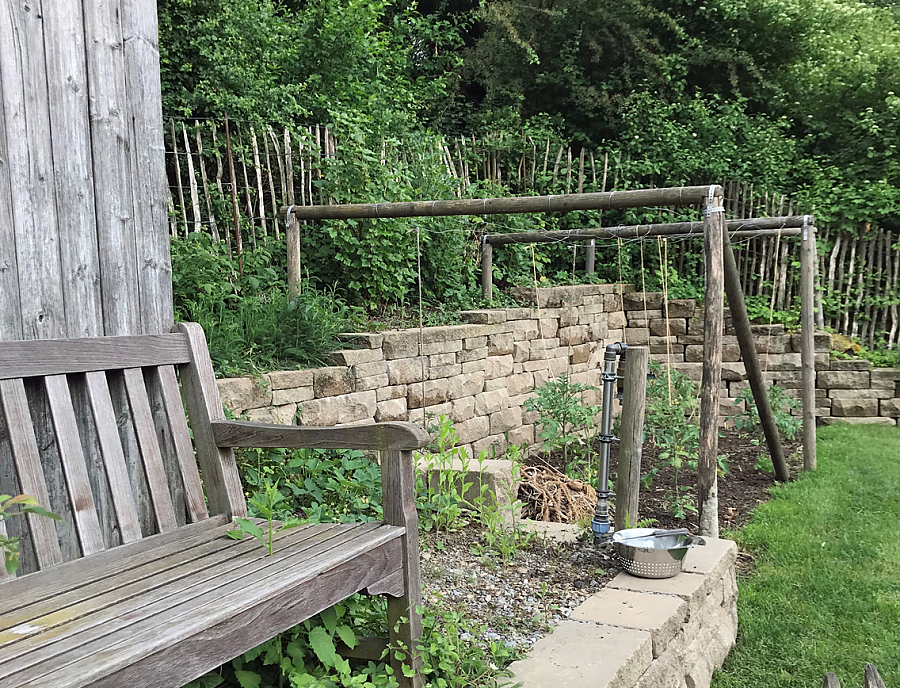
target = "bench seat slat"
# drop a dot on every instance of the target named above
(38, 357)
(143, 625)
(24, 590)
(74, 466)
(27, 460)
(110, 443)
(181, 437)
(151, 456)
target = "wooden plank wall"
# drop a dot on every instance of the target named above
(84, 244)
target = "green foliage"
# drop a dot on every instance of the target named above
(251, 322)
(10, 545)
(563, 414)
(782, 405)
(759, 310)
(263, 504)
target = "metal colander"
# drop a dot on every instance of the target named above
(653, 553)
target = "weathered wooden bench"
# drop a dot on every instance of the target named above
(138, 584)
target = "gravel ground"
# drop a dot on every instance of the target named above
(519, 601)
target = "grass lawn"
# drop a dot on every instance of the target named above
(825, 595)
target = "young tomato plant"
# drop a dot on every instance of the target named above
(265, 503)
(563, 411)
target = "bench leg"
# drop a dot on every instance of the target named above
(404, 621)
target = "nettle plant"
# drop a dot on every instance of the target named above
(562, 411)
(26, 504)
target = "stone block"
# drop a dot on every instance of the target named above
(777, 344)
(568, 317)
(667, 359)
(524, 330)
(681, 308)
(487, 403)
(445, 371)
(676, 326)
(832, 420)
(874, 393)
(583, 655)
(849, 364)
(690, 587)
(500, 344)
(616, 320)
(466, 384)
(462, 409)
(495, 383)
(363, 340)
(283, 379)
(711, 560)
(667, 670)
(634, 301)
(518, 314)
(559, 366)
(572, 336)
(693, 370)
(442, 359)
(403, 371)
(468, 355)
(842, 379)
(733, 371)
(612, 302)
(522, 435)
(580, 354)
(473, 367)
(242, 393)
(885, 375)
(498, 366)
(506, 420)
(484, 317)
(442, 347)
(428, 393)
(493, 446)
(599, 331)
(889, 408)
(520, 384)
(392, 409)
(660, 615)
(347, 408)
(547, 328)
(390, 392)
(521, 351)
(350, 357)
(473, 429)
(282, 414)
(779, 361)
(767, 330)
(474, 342)
(369, 369)
(662, 345)
(294, 395)
(364, 384)
(400, 344)
(855, 408)
(330, 382)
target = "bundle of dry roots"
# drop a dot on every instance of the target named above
(550, 495)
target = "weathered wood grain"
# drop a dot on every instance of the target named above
(871, 677)
(398, 489)
(831, 681)
(61, 356)
(713, 330)
(113, 457)
(631, 432)
(487, 270)
(687, 195)
(172, 620)
(27, 461)
(224, 492)
(382, 436)
(10, 309)
(155, 471)
(807, 345)
(181, 436)
(74, 466)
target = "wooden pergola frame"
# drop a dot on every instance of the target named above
(721, 277)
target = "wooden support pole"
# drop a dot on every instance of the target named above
(714, 317)
(563, 203)
(751, 361)
(487, 271)
(807, 344)
(590, 257)
(294, 268)
(634, 401)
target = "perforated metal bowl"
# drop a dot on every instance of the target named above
(653, 553)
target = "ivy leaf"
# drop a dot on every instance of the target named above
(323, 645)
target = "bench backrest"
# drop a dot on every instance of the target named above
(95, 430)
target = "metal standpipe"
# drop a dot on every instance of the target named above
(600, 523)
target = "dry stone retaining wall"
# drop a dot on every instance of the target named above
(479, 373)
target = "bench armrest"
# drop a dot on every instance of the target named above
(399, 436)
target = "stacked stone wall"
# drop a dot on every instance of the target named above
(479, 373)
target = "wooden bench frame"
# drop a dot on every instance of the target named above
(374, 558)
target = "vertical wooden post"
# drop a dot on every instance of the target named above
(294, 268)
(751, 360)
(634, 401)
(714, 316)
(487, 270)
(807, 343)
(398, 484)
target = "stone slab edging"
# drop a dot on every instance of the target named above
(644, 633)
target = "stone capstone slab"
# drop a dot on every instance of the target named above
(711, 559)
(660, 615)
(585, 655)
(690, 587)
